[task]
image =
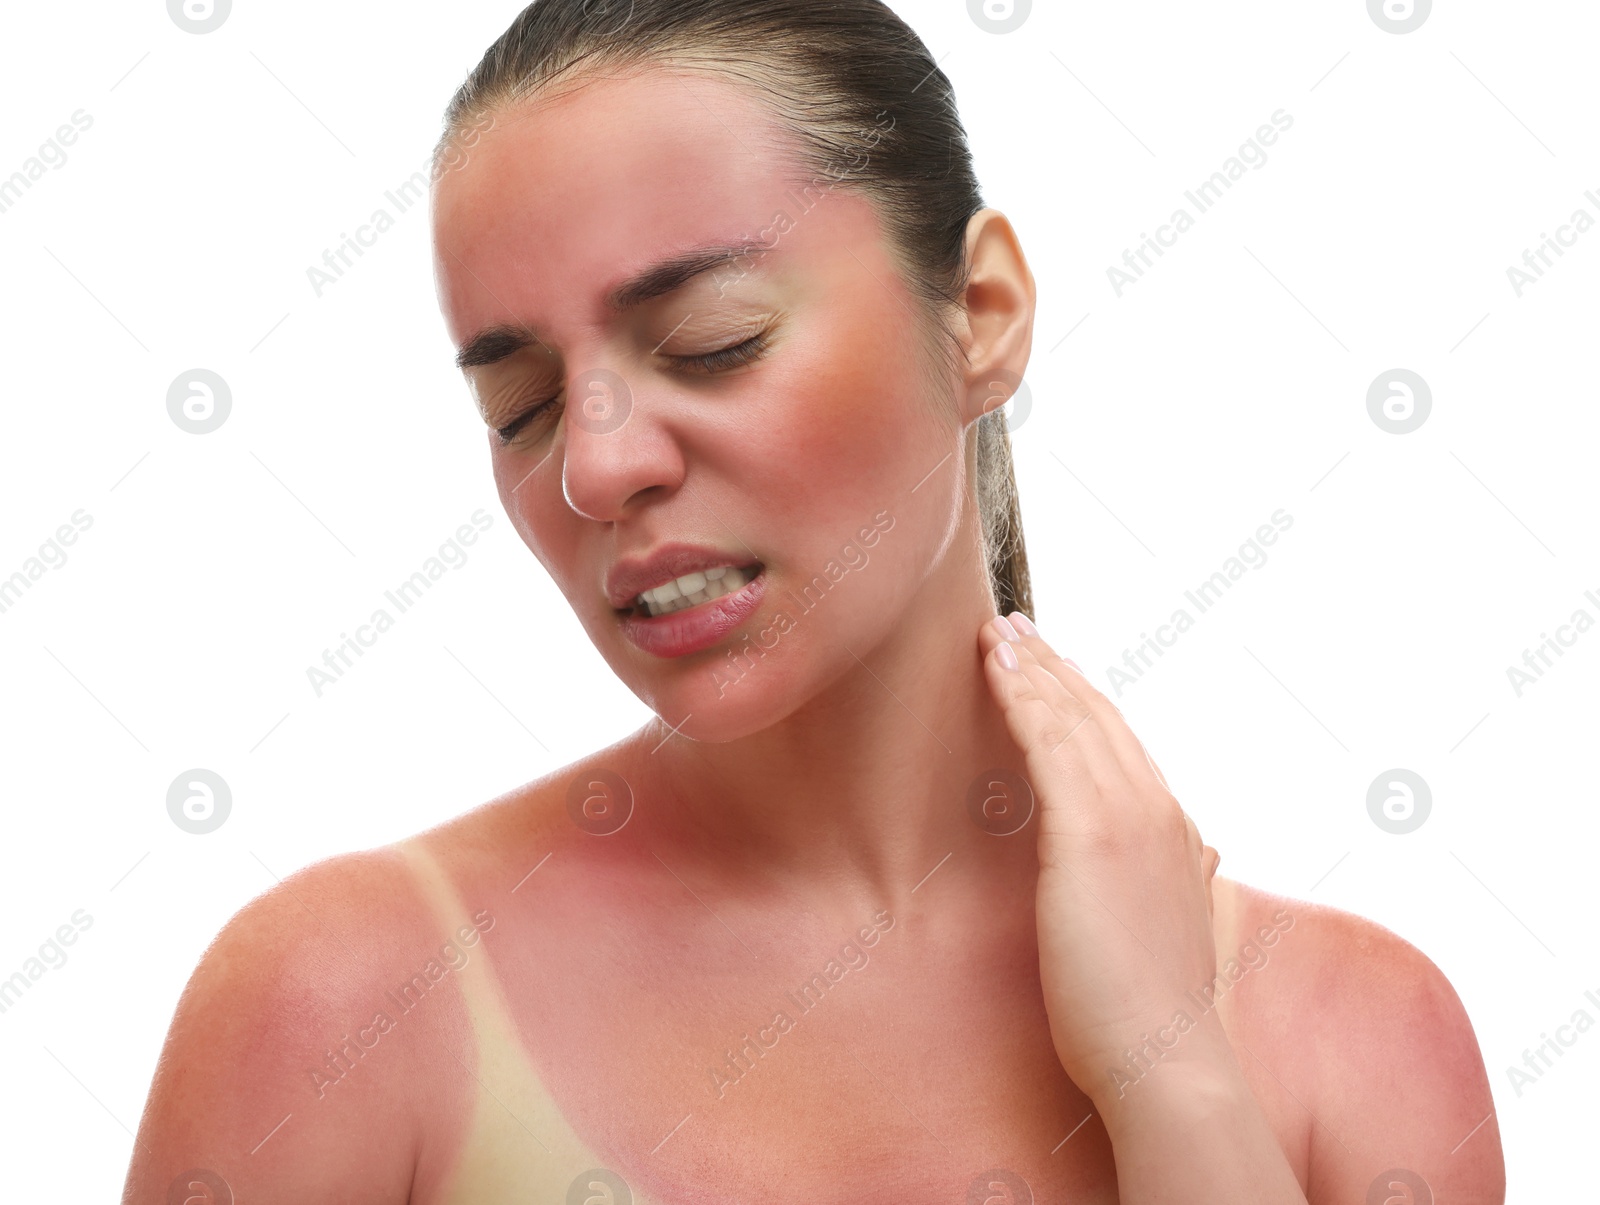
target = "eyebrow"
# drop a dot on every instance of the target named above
(503, 340)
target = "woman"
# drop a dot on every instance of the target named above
(890, 905)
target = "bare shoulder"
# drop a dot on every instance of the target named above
(320, 1050)
(1363, 1034)
(277, 1074)
(294, 1059)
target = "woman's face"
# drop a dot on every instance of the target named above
(816, 457)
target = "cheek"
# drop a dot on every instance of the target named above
(511, 482)
(850, 427)
(530, 494)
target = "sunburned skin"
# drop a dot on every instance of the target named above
(585, 1000)
(832, 425)
(930, 1064)
(624, 983)
(632, 979)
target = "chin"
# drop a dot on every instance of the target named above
(753, 680)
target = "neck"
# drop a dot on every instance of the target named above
(864, 788)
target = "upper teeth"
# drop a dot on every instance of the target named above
(694, 588)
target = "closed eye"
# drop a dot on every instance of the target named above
(729, 357)
(711, 362)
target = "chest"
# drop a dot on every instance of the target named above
(801, 1059)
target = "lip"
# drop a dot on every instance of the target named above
(683, 632)
(631, 577)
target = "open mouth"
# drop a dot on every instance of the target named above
(693, 590)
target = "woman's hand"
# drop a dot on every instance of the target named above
(1124, 895)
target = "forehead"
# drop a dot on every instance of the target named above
(566, 195)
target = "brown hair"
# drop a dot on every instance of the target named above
(852, 83)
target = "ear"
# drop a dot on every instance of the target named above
(997, 332)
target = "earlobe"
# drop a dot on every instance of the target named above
(990, 391)
(1000, 300)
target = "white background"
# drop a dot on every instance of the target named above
(1167, 425)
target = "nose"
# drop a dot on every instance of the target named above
(617, 451)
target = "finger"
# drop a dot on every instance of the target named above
(1137, 764)
(1062, 743)
(1047, 721)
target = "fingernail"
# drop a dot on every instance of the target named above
(1007, 656)
(1074, 665)
(1005, 629)
(1023, 624)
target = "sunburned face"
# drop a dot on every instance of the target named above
(770, 418)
